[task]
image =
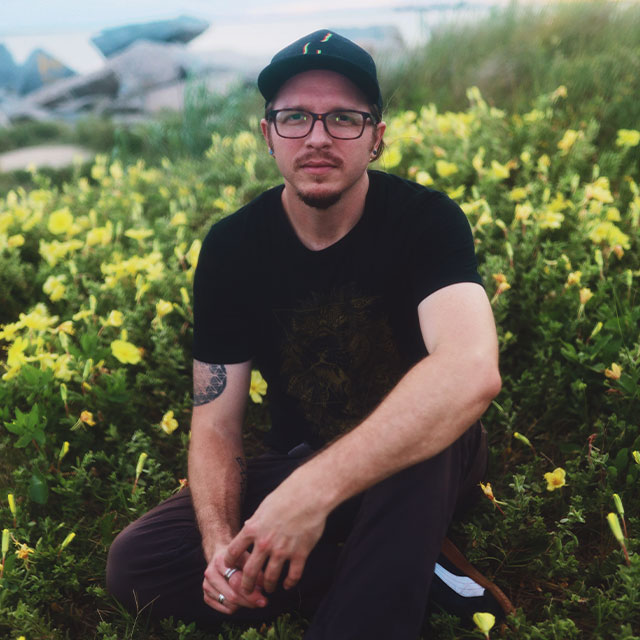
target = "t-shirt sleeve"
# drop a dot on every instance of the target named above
(221, 315)
(443, 250)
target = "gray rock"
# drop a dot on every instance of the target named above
(182, 29)
(102, 83)
(145, 64)
(39, 70)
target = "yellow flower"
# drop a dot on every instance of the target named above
(614, 373)
(169, 424)
(258, 386)
(585, 295)
(115, 318)
(484, 622)
(445, 168)
(24, 551)
(100, 235)
(555, 479)
(392, 157)
(574, 278)
(550, 219)
(125, 352)
(60, 221)
(87, 418)
(517, 194)
(194, 252)
(424, 178)
(487, 490)
(498, 171)
(163, 307)
(178, 219)
(568, 140)
(628, 138)
(523, 211)
(138, 234)
(54, 287)
(15, 241)
(560, 92)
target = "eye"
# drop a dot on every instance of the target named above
(346, 118)
(293, 117)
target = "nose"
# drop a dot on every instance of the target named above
(318, 135)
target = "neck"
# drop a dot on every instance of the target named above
(318, 229)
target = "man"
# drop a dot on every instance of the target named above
(356, 294)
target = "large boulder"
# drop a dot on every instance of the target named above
(99, 84)
(8, 69)
(39, 70)
(145, 64)
(182, 29)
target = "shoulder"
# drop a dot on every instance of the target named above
(405, 200)
(236, 230)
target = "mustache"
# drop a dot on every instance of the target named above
(318, 157)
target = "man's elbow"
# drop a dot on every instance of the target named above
(488, 382)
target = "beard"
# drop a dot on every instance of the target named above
(319, 200)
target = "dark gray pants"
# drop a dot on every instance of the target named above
(368, 576)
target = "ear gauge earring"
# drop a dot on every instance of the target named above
(374, 152)
(270, 152)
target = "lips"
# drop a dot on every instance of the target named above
(316, 165)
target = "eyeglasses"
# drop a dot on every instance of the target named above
(346, 124)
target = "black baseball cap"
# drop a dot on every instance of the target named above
(323, 49)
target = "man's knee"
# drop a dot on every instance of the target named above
(121, 581)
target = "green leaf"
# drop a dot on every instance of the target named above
(38, 489)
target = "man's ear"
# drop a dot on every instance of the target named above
(264, 127)
(380, 129)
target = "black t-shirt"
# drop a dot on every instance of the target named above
(331, 331)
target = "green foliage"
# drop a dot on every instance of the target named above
(95, 330)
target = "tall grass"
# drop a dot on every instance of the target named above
(517, 53)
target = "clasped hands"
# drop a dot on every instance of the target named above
(284, 528)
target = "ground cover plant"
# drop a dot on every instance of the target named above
(95, 332)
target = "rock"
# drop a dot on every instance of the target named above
(8, 69)
(182, 29)
(57, 156)
(148, 64)
(102, 83)
(39, 70)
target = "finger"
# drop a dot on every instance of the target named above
(211, 598)
(234, 555)
(251, 570)
(253, 599)
(296, 567)
(272, 572)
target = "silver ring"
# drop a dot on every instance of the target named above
(221, 599)
(228, 573)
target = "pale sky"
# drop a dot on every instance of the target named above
(254, 27)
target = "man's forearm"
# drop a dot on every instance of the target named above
(427, 411)
(217, 475)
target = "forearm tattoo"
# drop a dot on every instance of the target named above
(243, 474)
(209, 381)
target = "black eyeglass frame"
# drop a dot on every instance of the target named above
(271, 117)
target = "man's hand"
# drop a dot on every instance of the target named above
(285, 528)
(215, 584)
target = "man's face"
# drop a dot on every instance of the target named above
(319, 169)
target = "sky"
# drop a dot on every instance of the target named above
(253, 27)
